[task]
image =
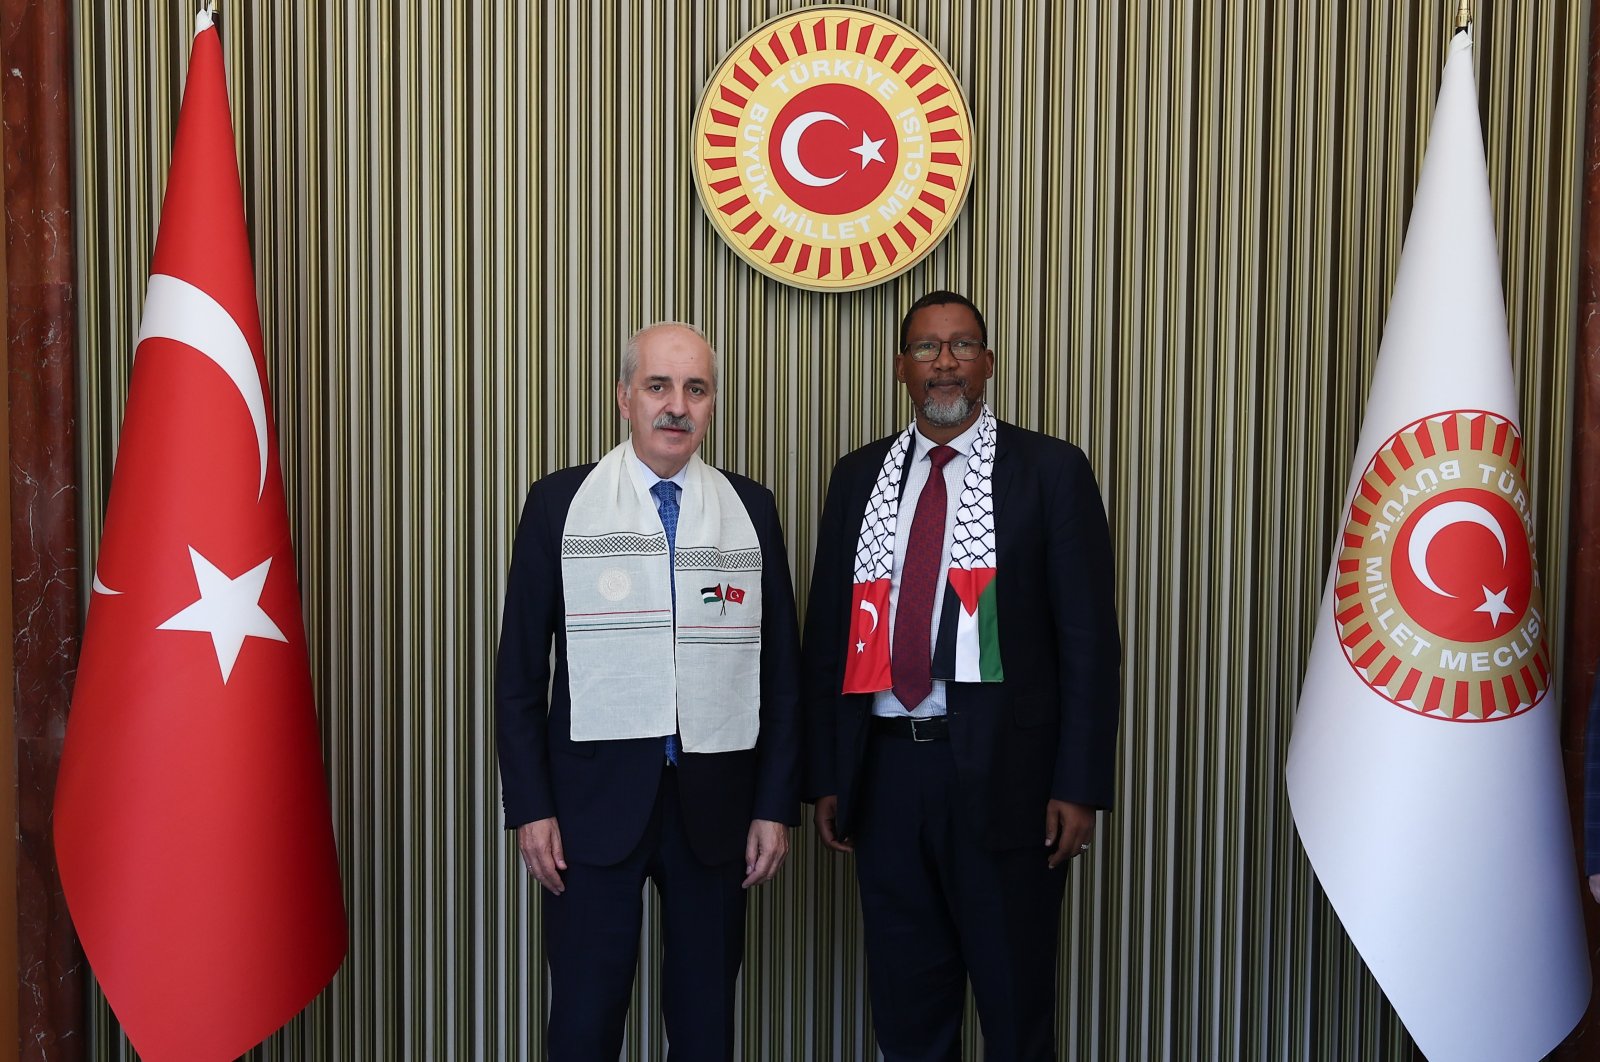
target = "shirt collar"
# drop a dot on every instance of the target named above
(961, 444)
(648, 476)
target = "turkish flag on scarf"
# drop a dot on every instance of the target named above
(191, 820)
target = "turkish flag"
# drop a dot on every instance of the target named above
(192, 823)
(866, 663)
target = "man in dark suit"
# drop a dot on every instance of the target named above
(1591, 790)
(668, 745)
(961, 667)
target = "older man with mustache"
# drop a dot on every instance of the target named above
(961, 668)
(667, 746)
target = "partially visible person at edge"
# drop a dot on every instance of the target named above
(667, 747)
(961, 662)
(1591, 791)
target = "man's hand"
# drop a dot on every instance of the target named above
(1594, 887)
(764, 851)
(540, 842)
(827, 819)
(1068, 828)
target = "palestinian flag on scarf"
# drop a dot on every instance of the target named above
(967, 648)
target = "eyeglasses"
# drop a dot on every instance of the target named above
(928, 349)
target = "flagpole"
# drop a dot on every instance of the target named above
(1463, 14)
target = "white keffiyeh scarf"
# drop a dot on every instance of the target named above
(967, 648)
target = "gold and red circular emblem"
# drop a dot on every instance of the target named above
(1436, 596)
(832, 148)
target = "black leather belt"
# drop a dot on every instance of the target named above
(935, 728)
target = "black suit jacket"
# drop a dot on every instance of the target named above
(603, 791)
(1049, 730)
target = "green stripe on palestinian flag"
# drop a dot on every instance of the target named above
(968, 645)
(988, 620)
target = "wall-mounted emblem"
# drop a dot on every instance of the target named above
(832, 148)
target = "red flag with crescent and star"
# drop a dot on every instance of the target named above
(192, 821)
(866, 668)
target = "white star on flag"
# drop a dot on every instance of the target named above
(229, 610)
(1494, 604)
(868, 150)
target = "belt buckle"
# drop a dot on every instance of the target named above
(915, 733)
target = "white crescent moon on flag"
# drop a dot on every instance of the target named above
(872, 610)
(789, 148)
(102, 588)
(1436, 520)
(176, 309)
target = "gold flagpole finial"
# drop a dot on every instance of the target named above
(1463, 15)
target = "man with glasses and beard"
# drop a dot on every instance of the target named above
(668, 745)
(961, 663)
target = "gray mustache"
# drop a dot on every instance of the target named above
(667, 420)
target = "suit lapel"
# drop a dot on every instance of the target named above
(1000, 478)
(905, 467)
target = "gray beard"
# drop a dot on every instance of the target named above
(947, 415)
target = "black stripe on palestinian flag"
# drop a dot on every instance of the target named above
(944, 646)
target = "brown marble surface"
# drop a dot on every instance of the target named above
(1582, 646)
(35, 56)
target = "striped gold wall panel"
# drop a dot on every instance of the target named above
(1183, 225)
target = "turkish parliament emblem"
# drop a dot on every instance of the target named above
(1436, 596)
(832, 148)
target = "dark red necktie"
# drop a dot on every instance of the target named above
(911, 655)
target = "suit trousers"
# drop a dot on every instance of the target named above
(592, 945)
(938, 907)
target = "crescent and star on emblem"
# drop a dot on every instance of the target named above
(1451, 514)
(779, 121)
(1439, 516)
(1494, 604)
(870, 150)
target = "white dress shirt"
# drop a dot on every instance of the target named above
(680, 477)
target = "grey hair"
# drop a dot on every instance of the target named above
(630, 353)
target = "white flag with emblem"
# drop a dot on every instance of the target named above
(1424, 772)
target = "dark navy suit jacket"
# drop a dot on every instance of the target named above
(1591, 783)
(1049, 730)
(602, 792)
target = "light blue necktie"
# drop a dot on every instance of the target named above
(666, 494)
